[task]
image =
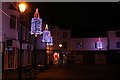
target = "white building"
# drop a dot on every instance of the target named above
(10, 36)
(95, 50)
(114, 39)
(87, 44)
(71, 47)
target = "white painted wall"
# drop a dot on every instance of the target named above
(113, 39)
(88, 44)
(7, 31)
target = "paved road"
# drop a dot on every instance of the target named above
(81, 72)
(73, 71)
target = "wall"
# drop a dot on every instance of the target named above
(88, 44)
(113, 39)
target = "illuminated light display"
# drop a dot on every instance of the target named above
(47, 36)
(56, 57)
(51, 41)
(99, 44)
(36, 24)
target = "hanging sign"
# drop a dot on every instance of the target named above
(51, 41)
(36, 26)
(46, 36)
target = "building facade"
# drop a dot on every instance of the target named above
(114, 39)
(11, 36)
(98, 50)
(74, 50)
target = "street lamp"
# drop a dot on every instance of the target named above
(61, 56)
(22, 8)
(60, 45)
(47, 39)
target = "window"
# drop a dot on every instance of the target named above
(12, 21)
(64, 34)
(95, 45)
(79, 45)
(118, 34)
(118, 44)
(11, 57)
(64, 45)
(98, 45)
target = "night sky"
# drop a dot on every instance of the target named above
(85, 19)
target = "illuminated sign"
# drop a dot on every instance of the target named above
(46, 36)
(51, 41)
(36, 24)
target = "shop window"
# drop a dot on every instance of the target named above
(9, 43)
(10, 57)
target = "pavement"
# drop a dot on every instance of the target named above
(71, 72)
(81, 72)
(12, 74)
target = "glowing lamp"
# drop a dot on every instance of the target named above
(60, 45)
(22, 7)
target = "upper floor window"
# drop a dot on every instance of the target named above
(64, 34)
(118, 44)
(13, 21)
(79, 45)
(98, 45)
(118, 34)
(64, 45)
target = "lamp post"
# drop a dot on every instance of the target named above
(22, 8)
(61, 55)
(36, 29)
(46, 40)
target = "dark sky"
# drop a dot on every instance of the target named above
(86, 19)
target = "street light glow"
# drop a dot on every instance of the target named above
(22, 7)
(60, 45)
